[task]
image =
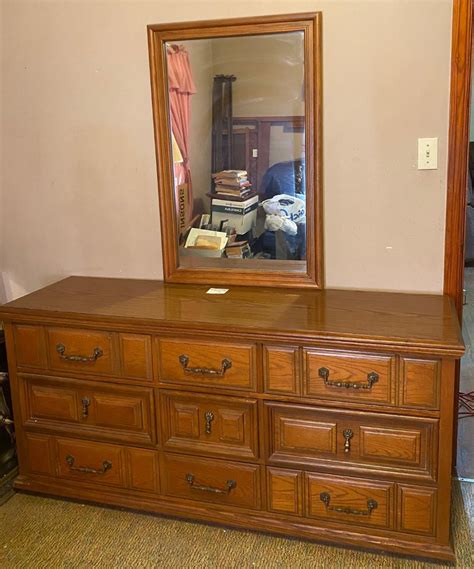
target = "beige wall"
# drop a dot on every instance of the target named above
(78, 172)
(270, 68)
(270, 77)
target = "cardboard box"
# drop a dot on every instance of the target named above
(191, 247)
(183, 207)
(242, 216)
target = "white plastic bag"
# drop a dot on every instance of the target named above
(284, 212)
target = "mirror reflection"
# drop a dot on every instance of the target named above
(237, 115)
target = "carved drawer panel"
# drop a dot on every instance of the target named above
(206, 480)
(282, 370)
(419, 383)
(285, 491)
(310, 435)
(344, 376)
(30, 346)
(40, 456)
(224, 426)
(337, 499)
(417, 509)
(208, 364)
(110, 412)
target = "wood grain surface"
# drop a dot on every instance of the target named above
(378, 318)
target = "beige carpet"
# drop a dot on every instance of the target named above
(37, 532)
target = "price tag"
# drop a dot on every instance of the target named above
(217, 291)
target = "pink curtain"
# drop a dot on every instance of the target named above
(181, 87)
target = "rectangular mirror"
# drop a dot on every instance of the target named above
(237, 110)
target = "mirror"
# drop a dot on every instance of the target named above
(238, 137)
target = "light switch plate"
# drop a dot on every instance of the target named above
(427, 154)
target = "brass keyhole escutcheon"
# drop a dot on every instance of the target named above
(348, 434)
(85, 407)
(209, 416)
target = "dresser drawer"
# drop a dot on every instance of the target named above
(92, 462)
(214, 481)
(109, 412)
(87, 351)
(398, 445)
(97, 353)
(223, 426)
(342, 376)
(210, 364)
(86, 461)
(341, 500)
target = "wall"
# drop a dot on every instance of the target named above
(270, 79)
(78, 172)
(269, 67)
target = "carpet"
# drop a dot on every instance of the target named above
(48, 533)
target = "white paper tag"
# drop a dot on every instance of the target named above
(217, 291)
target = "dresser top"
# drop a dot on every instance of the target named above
(391, 319)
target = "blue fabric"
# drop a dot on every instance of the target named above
(284, 178)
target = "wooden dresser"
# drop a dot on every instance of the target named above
(326, 415)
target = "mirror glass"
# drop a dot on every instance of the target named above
(237, 118)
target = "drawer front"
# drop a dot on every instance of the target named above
(349, 377)
(99, 463)
(40, 455)
(315, 436)
(417, 507)
(208, 364)
(106, 412)
(207, 480)
(341, 500)
(90, 462)
(87, 351)
(419, 383)
(285, 491)
(225, 426)
(30, 348)
(282, 365)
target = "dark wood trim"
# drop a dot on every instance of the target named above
(458, 160)
(458, 150)
(310, 24)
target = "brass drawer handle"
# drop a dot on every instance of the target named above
(230, 485)
(372, 378)
(209, 416)
(348, 434)
(225, 365)
(325, 497)
(85, 407)
(106, 465)
(96, 354)
(5, 421)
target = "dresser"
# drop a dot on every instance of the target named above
(326, 415)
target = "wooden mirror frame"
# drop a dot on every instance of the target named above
(158, 35)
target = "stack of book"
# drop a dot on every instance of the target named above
(232, 183)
